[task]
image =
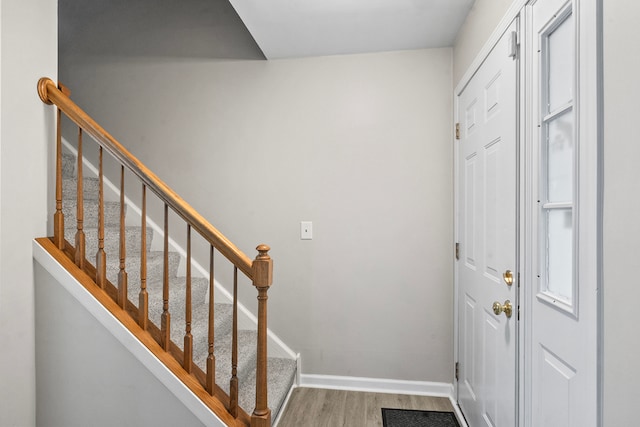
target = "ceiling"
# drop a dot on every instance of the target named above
(255, 29)
(297, 28)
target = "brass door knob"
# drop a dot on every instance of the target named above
(507, 276)
(507, 308)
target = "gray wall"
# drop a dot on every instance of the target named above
(621, 212)
(28, 51)
(360, 145)
(149, 28)
(86, 377)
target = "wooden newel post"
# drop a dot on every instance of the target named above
(262, 278)
(58, 217)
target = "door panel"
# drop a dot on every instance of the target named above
(561, 318)
(555, 377)
(469, 336)
(491, 249)
(486, 156)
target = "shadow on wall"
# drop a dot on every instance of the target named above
(151, 28)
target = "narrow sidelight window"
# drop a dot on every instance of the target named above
(558, 155)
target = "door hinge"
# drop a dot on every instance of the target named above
(514, 44)
(457, 370)
(457, 251)
(457, 130)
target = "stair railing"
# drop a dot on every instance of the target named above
(259, 271)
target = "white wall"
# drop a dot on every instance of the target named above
(360, 145)
(621, 212)
(482, 19)
(88, 377)
(28, 34)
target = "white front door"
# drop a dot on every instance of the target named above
(560, 316)
(487, 232)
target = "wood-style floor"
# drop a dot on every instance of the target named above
(315, 407)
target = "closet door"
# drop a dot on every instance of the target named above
(487, 232)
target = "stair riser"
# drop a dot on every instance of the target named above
(155, 268)
(91, 188)
(90, 214)
(111, 241)
(222, 351)
(199, 325)
(68, 165)
(176, 292)
(284, 370)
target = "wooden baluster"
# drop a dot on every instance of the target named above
(188, 338)
(143, 300)
(122, 274)
(101, 256)
(211, 360)
(262, 269)
(80, 238)
(165, 319)
(58, 216)
(233, 385)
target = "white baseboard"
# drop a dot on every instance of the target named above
(377, 385)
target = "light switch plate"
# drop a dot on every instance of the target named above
(306, 230)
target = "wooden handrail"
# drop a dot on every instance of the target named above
(259, 270)
(50, 94)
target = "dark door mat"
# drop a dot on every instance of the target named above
(413, 418)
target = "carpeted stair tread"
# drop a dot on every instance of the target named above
(199, 329)
(111, 240)
(177, 297)
(155, 266)
(177, 291)
(281, 374)
(90, 213)
(199, 323)
(90, 188)
(222, 351)
(222, 322)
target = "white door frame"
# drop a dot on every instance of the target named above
(591, 62)
(513, 11)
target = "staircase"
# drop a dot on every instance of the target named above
(281, 371)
